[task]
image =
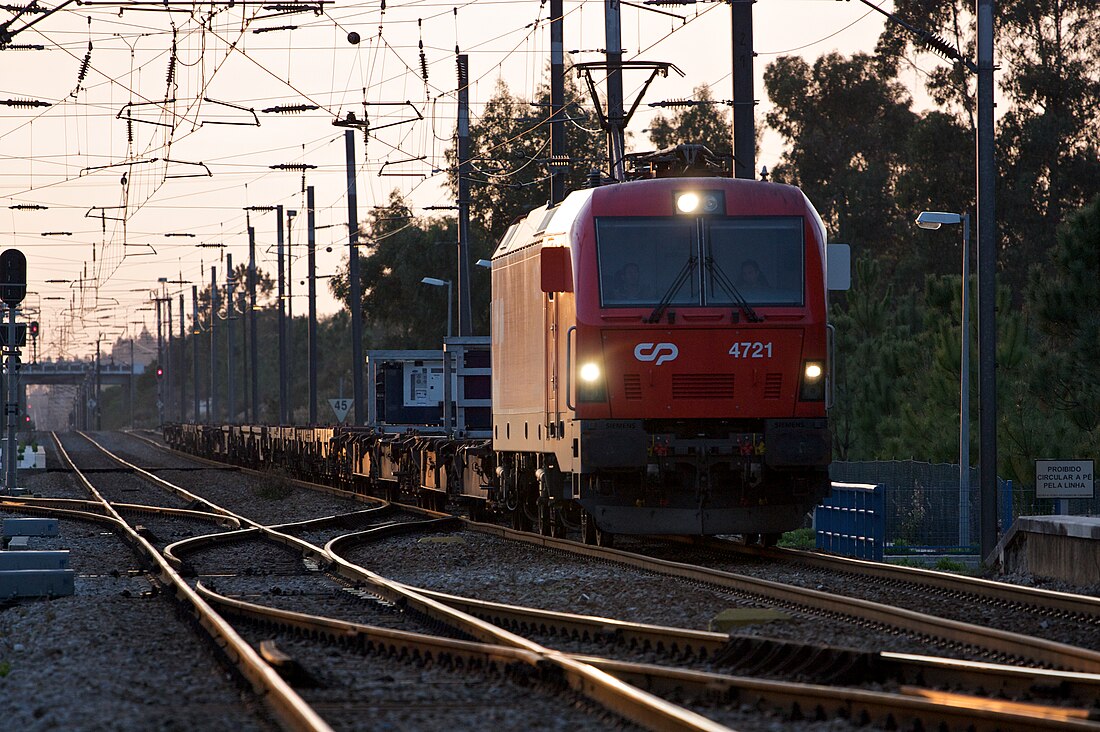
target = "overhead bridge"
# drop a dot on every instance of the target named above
(76, 372)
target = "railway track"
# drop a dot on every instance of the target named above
(995, 645)
(708, 690)
(277, 695)
(600, 688)
(1015, 676)
(1048, 602)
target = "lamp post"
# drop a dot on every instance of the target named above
(934, 220)
(436, 282)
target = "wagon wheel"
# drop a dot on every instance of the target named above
(546, 520)
(520, 521)
(557, 523)
(592, 534)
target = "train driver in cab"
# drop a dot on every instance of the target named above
(628, 286)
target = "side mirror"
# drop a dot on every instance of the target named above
(556, 265)
(839, 266)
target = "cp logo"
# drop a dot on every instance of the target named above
(659, 352)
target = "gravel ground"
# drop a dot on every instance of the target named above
(405, 697)
(268, 500)
(113, 656)
(380, 693)
(476, 565)
(964, 608)
(390, 694)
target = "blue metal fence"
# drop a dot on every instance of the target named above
(852, 521)
(909, 507)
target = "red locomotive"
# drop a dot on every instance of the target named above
(660, 359)
(660, 365)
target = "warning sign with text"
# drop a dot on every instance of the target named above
(1064, 478)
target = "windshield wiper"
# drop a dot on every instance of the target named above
(662, 306)
(731, 290)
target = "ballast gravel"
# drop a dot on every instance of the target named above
(72, 663)
(1025, 620)
(268, 500)
(473, 564)
(115, 655)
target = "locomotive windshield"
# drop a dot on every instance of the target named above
(758, 258)
(761, 256)
(640, 259)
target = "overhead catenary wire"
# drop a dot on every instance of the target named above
(208, 40)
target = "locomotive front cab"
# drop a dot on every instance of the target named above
(698, 360)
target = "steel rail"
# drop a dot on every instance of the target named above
(634, 704)
(928, 708)
(160, 482)
(185, 513)
(638, 706)
(1012, 645)
(909, 668)
(289, 708)
(1064, 602)
(905, 668)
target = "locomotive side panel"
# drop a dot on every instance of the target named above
(519, 352)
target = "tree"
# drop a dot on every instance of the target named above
(874, 351)
(705, 123)
(510, 148)
(1048, 140)
(401, 250)
(1065, 297)
(848, 125)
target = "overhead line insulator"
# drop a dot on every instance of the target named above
(290, 108)
(24, 103)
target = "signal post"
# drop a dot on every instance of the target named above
(13, 288)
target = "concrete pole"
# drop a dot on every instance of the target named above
(254, 346)
(182, 357)
(291, 214)
(465, 314)
(213, 401)
(12, 407)
(160, 364)
(98, 411)
(557, 101)
(964, 393)
(311, 264)
(131, 384)
(987, 280)
(282, 320)
(230, 384)
(354, 286)
(167, 370)
(744, 105)
(616, 134)
(195, 348)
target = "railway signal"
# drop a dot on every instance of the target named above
(13, 288)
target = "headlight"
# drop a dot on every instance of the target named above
(590, 372)
(687, 202)
(812, 388)
(700, 203)
(590, 383)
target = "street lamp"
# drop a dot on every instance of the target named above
(436, 282)
(934, 220)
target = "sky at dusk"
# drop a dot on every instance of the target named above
(135, 138)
